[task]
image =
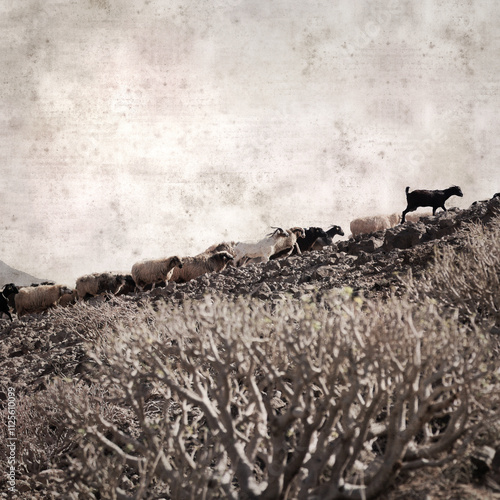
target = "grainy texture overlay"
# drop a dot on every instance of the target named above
(144, 128)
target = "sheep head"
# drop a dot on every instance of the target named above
(175, 262)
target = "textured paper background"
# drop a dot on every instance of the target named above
(135, 129)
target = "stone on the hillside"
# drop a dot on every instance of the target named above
(323, 272)
(482, 459)
(403, 236)
(363, 258)
(261, 291)
(369, 245)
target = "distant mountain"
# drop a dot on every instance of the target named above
(10, 275)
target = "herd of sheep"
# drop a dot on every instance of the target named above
(148, 274)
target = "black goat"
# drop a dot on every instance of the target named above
(425, 198)
(8, 290)
(335, 230)
(316, 238)
(323, 242)
(312, 234)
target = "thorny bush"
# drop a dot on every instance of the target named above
(295, 399)
(467, 280)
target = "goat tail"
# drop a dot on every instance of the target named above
(407, 189)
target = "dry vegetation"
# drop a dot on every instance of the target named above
(342, 397)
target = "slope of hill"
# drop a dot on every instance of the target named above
(10, 275)
(40, 348)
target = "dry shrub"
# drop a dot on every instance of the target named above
(93, 471)
(46, 446)
(41, 432)
(467, 280)
(293, 400)
(88, 320)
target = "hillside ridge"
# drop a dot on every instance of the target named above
(10, 275)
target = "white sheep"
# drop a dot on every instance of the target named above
(394, 219)
(151, 272)
(206, 262)
(259, 251)
(34, 299)
(416, 217)
(97, 283)
(371, 224)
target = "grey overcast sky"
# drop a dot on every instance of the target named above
(133, 129)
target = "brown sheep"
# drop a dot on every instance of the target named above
(37, 299)
(68, 299)
(225, 246)
(98, 283)
(150, 272)
(192, 267)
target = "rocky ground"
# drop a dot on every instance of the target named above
(37, 348)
